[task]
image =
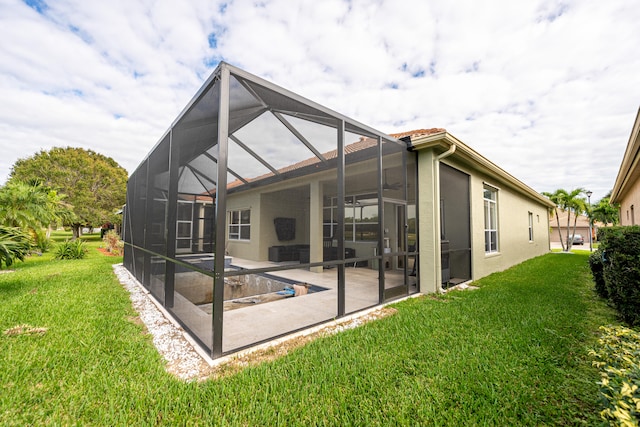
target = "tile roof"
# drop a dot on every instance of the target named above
(354, 147)
(418, 132)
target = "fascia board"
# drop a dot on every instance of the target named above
(444, 140)
(629, 167)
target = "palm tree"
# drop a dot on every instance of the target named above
(23, 205)
(567, 201)
(605, 212)
(14, 244)
(30, 206)
(558, 197)
(579, 206)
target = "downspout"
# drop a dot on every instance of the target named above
(438, 248)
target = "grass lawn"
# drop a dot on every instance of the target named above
(513, 352)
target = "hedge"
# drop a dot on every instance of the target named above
(616, 270)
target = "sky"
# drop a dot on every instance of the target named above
(546, 89)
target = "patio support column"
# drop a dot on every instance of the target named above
(146, 272)
(221, 209)
(427, 228)
(340, 212)
(315, 224)
(172, 214)
(380, 249)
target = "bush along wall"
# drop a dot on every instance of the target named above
(596, 262)
(617, 271)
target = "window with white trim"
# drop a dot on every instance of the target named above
(531, 226)
(360, 218)
(490, 219)
(184, 225)
(240, 224)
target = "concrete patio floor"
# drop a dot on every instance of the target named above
(253, 323)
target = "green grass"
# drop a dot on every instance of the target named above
(514, 352)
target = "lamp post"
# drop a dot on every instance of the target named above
(589, 193)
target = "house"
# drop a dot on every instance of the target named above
(626, 190)
(582, 227)
(260, 213)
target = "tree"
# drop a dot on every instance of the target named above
(578, 205)
(95, 185)
(567, 201)
(605, 212)
(14, 244)
(558, 197)
(30, 206)
(33, 208)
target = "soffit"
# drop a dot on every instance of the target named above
(441, 140)
(629, 171)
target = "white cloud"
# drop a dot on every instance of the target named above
(546, 89)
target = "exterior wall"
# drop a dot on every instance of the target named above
(264, 209)
(514, 246)
(513, 224)
(239, 248)
(271, 208)
(632, 198)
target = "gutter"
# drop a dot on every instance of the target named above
(436, 183)
(444, 139)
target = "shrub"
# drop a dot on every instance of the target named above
(622, 271)
(112, 242)
(71, 249)
(14, 244)
(41, 241)
(597, 269)
(618, 357)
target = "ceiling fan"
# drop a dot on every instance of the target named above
(390, 186)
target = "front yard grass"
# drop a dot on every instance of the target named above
(514, 352)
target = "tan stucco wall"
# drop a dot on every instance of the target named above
(514, 246)
(632, 198)
(243, 249)
(279, 202)
(513, 224)
(274, 205)
(265, 207)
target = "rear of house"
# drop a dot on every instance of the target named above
(260, 213)
(483, 218)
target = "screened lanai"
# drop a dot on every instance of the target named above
(260, 213)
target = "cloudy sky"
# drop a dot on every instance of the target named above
(546, 89)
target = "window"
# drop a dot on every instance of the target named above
(184, 225)
(360, 218)
(490, 219)
(240, 225)
(531, 226)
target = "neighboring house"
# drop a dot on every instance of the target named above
(626, 190)
(260, 213)
(582, 227)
